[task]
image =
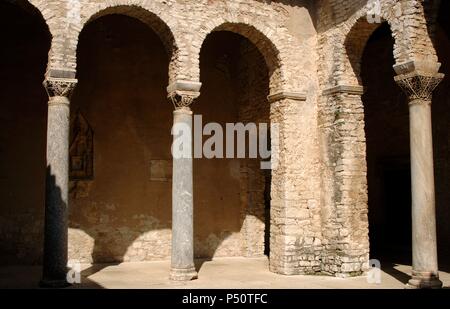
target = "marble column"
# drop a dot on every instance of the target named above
(57, 180)
(182, 94)
(419, 87)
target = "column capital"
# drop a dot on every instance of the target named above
(182, 93)
(419, 86)
(420, 67)
(59, 87)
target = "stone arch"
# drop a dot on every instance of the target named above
(357, 30)
(263, 38)
(354, 46)
(142, 10)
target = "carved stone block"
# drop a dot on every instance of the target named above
(160, 170)
(81, 151)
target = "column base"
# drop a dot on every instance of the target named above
(424, 280)
(183, 274)
(55, 284)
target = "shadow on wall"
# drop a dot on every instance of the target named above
(331, 14)
(285, 6)
(23, 119)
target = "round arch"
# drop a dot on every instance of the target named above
(144, 14)
(356, 32)
(355, 43)
(263, 38)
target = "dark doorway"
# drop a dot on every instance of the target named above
(25, 43)
(388, 162)
(391, 236)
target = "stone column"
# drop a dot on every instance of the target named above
(419, 87)
(182, 94)
(57, 180)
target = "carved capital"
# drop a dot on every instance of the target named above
(59, 87)
(419, 87)
(182, 93)
(182, 100)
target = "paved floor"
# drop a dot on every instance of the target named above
(230, 273)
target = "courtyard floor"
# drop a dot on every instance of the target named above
(232, 273)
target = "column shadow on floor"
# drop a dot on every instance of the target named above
(390, 269)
